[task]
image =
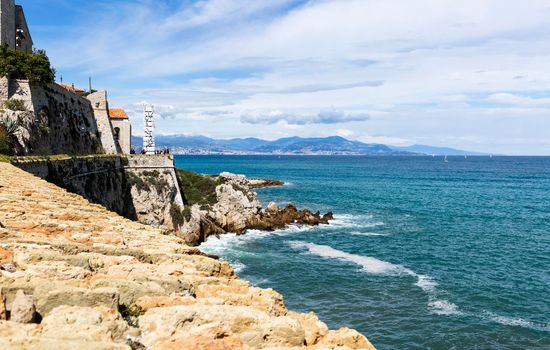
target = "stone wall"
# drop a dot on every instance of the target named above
(142, 188)
(57, 121)
(124, 140)
(23, 39)
(7, 23)
(100, 107)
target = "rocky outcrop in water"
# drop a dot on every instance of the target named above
(86, 278)
(238, 209)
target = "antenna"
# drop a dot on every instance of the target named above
(148, 129)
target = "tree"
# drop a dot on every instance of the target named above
(34, 66)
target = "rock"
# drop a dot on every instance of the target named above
(263, 183)
(100, 281)
(8, 268)
(211, 338)
(3, 313)
(22, 309)
(313, 328)
(272, 207)
(256, 328)
(50, 296)
(266, 300)
(98, 324)
(278, 218)
(348, 338)
(6, 256)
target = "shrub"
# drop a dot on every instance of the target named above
(15, 105)
(177, 216)
(196, 188)
(33, 66)
(8, 129)
(5, 141)
(137, 181)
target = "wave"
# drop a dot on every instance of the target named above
(368, 234)
(375, 266)
(516, 322)
(343, 221)
(369, 264)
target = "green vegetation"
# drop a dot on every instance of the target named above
(8, 139)
(177, 216)
(34, 66)
(138, 182)
(196, 188)
(15, 105)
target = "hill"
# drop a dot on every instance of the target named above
(335, 145)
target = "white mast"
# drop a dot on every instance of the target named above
(148, 129)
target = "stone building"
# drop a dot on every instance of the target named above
(14, 30)
(122, 129)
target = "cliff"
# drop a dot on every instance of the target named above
(226, 203)
(75, 275)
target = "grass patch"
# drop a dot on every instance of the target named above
(138, 182)
(196, 188)
(15, 105)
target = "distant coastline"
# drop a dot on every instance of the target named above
(326, 146)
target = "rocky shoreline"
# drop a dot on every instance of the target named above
(237, 209)
(77, 276)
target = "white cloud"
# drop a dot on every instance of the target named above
(325, 116)
(422, 69)
(517, 100)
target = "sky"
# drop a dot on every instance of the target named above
(469, 74)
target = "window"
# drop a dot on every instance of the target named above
(117, 134)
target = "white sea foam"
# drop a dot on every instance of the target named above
(516, 322)
(354, 221)
(376, 266)
(443, 307)
(426, 283)
(369, 264)
(237, 266)
(368, 234)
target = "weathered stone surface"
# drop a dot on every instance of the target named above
(313, 328)
(51, 295)
(272, 208)
(238, 209)
(346, 338)
(256, 328)
(22, 309)
(86, 324)
(98, 280)
(3, 314)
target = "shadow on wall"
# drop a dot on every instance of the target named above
(102, 180)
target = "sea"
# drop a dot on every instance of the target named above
(423, 253)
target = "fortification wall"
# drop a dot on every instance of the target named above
(57, 121)
(100, 107)
(142, 188)
(7, 23)
(23, 39)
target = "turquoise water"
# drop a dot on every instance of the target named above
(423, 254)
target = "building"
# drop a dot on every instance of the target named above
(14, 30)
(122, 129)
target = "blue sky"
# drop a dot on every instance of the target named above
(472, 74)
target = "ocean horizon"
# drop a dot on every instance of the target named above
(422, 254)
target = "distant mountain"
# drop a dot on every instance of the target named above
(293, 145)
(335, 145)
(438, 151)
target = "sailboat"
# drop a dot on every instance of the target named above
(446, 160)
